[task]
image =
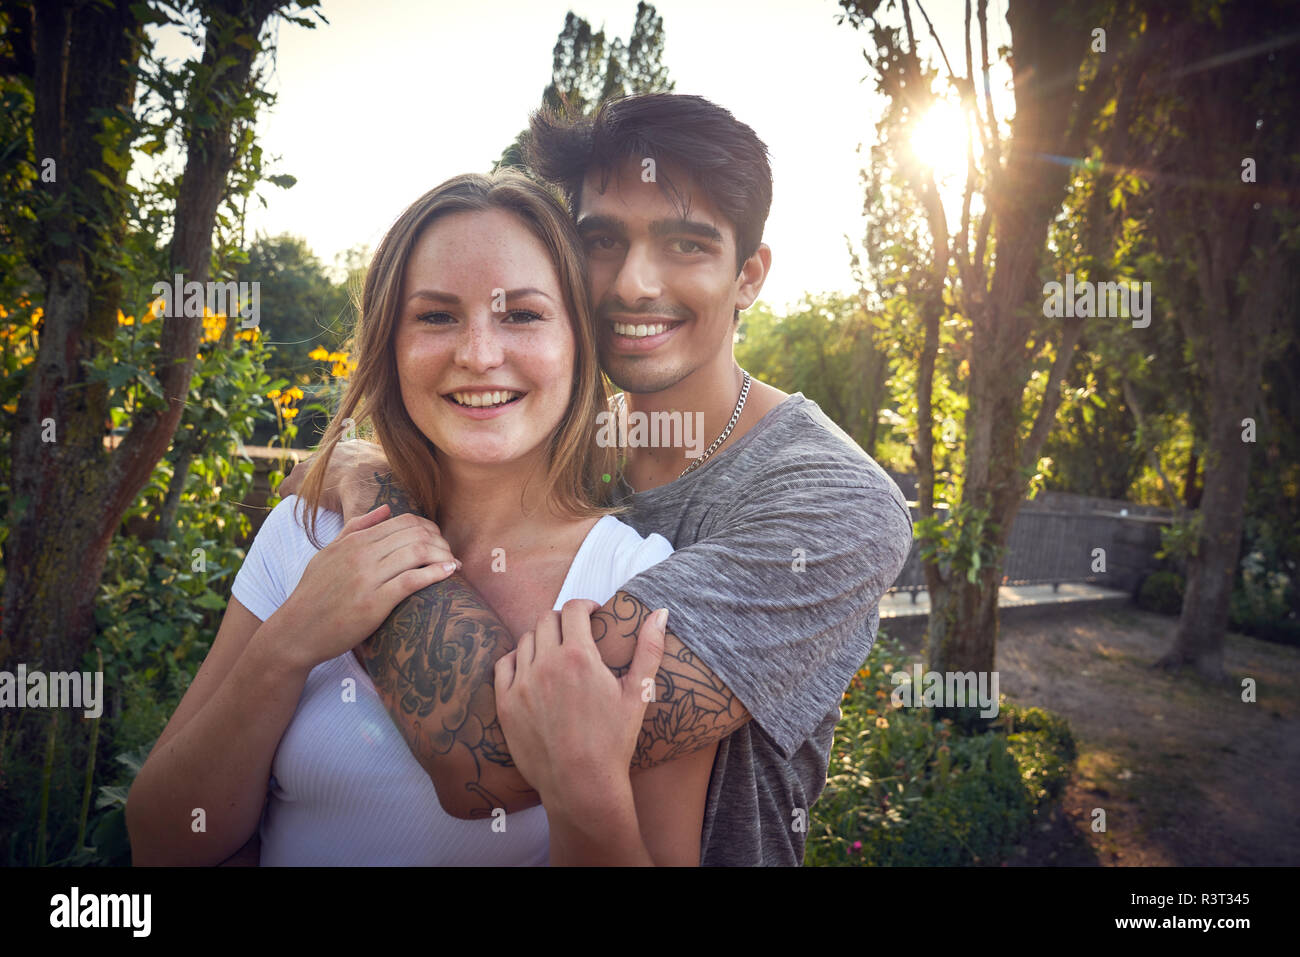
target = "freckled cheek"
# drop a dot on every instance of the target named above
(549, 361)
(419, 362)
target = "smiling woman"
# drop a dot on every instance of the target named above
(472, 351)
(479, 288)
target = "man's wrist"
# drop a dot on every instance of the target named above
(379, 488)
(581, 797)
(596, 827)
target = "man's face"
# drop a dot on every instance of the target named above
(662, 277)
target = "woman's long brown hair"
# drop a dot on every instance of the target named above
(579, 473)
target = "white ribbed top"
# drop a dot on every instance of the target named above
(345, 789)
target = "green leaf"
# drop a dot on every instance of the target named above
(150, 383)
(283, 180)
(211, 601)
(111, 796)
(117, 161)
(102, 180)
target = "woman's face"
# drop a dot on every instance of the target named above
(485, 351)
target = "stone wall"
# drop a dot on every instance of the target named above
(1055, 534)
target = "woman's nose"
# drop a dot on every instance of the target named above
(479, 346)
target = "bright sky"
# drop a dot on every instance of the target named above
(395, 96)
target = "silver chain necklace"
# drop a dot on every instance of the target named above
(735, 417)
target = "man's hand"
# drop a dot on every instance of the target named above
(571, 726)
(355, 479)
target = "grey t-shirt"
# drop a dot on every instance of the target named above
(785, 543)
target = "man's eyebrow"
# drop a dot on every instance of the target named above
(437, 295)
(608, 224)
(659, 228)
(689, 227)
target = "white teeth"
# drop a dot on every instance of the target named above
(480, 400)
(640, 331)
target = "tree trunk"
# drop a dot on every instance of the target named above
(171, 502)
(1237, 245)
(1233, 351)
(69, 494)
(1052, 119)
(1212, 571)
(1191, 489)
(59, 532)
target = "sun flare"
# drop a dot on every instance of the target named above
(939, 142)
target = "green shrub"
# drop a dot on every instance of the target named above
(1162, 592)
(1261, 604)
(906, 790)
(158, 607)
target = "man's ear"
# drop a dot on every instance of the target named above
(752, 275)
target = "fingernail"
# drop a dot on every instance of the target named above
(451, 566)
(660, 619)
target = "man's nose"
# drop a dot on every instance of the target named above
(638, 276)
(479, 346)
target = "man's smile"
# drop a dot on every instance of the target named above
(632, 333)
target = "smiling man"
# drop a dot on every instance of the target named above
(787, 533)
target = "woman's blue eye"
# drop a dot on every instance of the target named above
(529, 316)
(430, 316)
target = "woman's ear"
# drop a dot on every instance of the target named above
(752, 275)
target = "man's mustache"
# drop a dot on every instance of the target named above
(612, 307)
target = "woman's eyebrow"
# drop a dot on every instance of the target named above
(526, 291)
(437, 295)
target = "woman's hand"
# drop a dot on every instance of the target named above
(352, 584)
(571, 726)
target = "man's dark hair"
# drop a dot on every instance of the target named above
(723, 156)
